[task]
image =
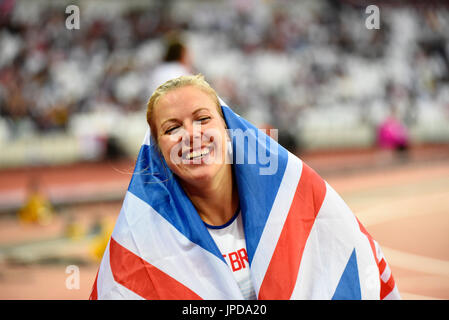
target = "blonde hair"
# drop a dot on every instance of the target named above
(182, 81)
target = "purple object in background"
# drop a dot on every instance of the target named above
(392, 134)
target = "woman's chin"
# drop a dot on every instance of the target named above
(198, 173)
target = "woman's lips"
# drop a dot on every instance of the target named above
(197, 154)
(190, 154)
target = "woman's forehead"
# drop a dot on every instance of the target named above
(183, 101)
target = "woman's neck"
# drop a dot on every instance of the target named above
(216, 201)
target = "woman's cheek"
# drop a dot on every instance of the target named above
(175, 153)
(167, 148)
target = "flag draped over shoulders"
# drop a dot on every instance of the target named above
(303, 242)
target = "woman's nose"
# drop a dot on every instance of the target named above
(192, 134)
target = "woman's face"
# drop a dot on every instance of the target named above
(191, 134)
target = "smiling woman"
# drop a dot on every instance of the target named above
(201, 227)
(189, 128)
(187, 123)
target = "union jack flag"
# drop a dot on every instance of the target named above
(303, 242)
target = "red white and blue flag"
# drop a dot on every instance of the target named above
(303, 242)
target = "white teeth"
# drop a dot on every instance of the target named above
(196, 154)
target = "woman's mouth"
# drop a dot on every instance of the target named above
(197, 154)
(191, 155)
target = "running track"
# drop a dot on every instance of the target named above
(404, 205)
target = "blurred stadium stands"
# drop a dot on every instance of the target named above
(71, 99)
(311, 69)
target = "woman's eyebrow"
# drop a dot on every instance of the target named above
(175, 120)
(198, 110)
(168, 120)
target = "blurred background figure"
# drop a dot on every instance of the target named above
(176, 62)
(73, 229)
(102, 234)
(284, 138)
(393, 135)
(37, 208)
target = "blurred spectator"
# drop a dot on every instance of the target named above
(176, 63)
(37, 208)
(273, 62)
(73, 229)
(102, 234)
(285, 139)
(392, 134)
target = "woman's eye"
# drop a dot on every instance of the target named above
(171, 130)
(202, 119)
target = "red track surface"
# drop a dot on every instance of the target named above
(404, 205)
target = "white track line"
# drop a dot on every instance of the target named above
(401, 208)
(416, 262)
(412, 296)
